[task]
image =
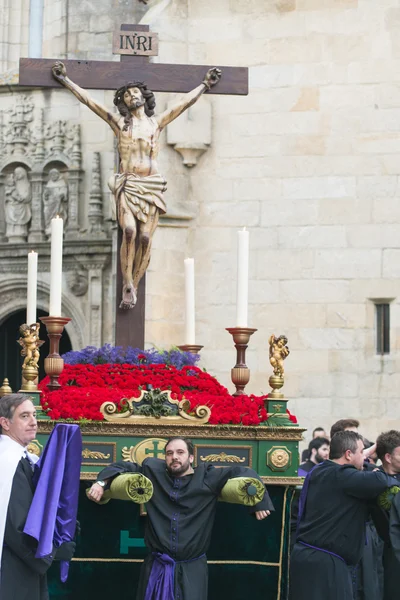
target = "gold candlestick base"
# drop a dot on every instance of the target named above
(192, 348)
(5, 388)
(240, 374)
(54, 364)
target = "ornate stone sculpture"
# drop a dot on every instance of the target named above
(17, 205)
(138, 187)
(55, 199)
(278, 351)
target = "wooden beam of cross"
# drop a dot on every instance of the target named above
(135, 44)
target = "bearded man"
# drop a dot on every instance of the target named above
(180, 517)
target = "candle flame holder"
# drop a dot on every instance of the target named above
(240, 374)
(192, 348)
(53, 363)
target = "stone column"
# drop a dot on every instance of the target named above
(95, 213)
(2, 213)
(74, 178)
(95, 306)
(36, 231)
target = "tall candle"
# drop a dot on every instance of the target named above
(242, 296)
(32, 288)
(189, 302)
(56, 267)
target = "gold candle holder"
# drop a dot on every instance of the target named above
(240, 374)
(192, 348)
(53, 363)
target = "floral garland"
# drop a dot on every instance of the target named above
(84, 388)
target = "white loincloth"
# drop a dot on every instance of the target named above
(139, 193)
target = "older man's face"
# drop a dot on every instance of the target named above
(22, 426)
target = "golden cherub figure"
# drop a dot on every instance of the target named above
(30, 343)
(278, 351)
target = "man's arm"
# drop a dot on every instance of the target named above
(217, 478)
(365, 484)
(212, 77)
(60, 73)
(108, 474)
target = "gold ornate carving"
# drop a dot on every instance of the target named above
(35, 447)
(278, 351)
(222, 457)
(86, 453)
(164, 430)
(109, 410)
(279, 458)
(276, 480)
(152, 447)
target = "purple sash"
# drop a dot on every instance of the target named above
(161, 585)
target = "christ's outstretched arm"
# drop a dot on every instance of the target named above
(60, 73)
(212, 77)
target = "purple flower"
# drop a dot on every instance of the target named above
(109, 354)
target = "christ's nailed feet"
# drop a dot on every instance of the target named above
(129, 296)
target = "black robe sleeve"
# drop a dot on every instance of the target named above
(217, 478)
(19, 543)
(394, 527)
(109, 473)
(365, 484)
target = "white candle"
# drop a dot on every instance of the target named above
(190, 335)
(32, 288)
(56, 267)
(242, 296)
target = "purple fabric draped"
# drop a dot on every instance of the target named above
(161, 580)
(52, 516)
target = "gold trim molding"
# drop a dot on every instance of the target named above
(161, 430)
(268, 480)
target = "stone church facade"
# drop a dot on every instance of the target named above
(309, 162)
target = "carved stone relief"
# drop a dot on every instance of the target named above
(55, 199)
(17, 204)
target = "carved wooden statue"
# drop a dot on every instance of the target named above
(138, 187)
(278, 351)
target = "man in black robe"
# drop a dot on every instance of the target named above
(319, 451)
(333, 510)
(180, 517)
(22, 576)
(388, 450)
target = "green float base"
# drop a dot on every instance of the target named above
(247, 558)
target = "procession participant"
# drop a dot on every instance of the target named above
(317, 432)
(333, 510)
(319, 451)
(22, 575)
(180, 518)
(387, 520)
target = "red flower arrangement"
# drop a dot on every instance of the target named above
(85, 387)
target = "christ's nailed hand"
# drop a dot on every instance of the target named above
(262, 514)
(59, 70)
(212, 77)
(96, 492)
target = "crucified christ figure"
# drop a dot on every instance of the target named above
(138, 187)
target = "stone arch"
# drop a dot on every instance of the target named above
(13, 298)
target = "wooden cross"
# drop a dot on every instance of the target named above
(89, 74)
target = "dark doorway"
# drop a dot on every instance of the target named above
(10, 351)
